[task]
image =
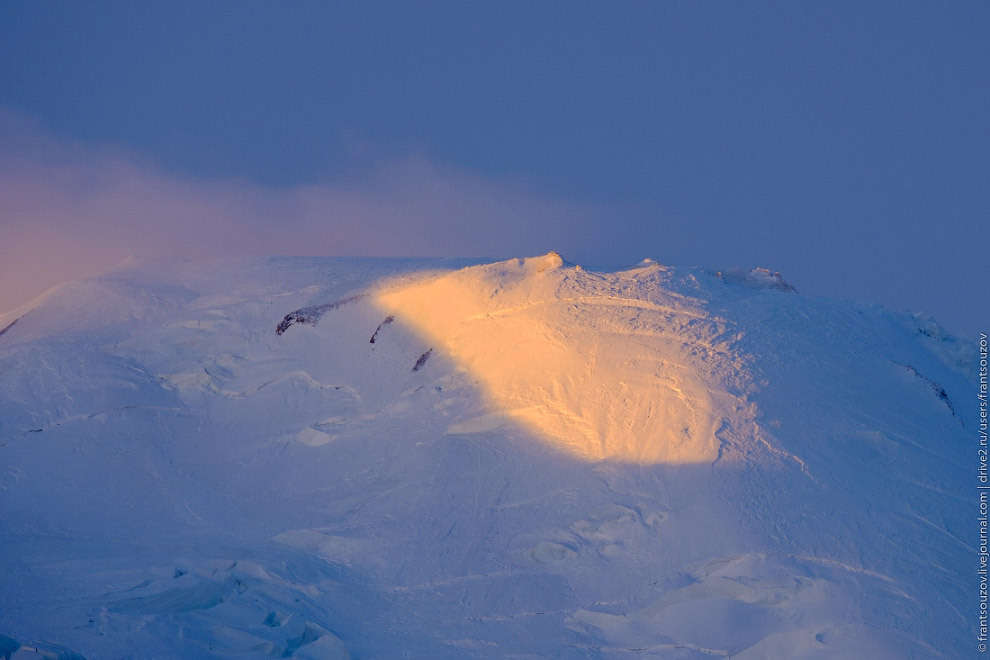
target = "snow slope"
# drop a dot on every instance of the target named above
(319, 458)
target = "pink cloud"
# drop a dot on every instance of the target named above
(71, 210)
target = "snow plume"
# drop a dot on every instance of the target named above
(73, 210)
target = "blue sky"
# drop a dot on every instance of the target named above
(846, 144)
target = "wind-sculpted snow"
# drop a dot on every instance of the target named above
(451, 460)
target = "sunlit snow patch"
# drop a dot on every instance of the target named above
(604, 366)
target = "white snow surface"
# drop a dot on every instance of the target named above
(530, 460)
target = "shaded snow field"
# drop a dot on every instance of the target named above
(332, 458)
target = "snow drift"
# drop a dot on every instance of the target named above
(320, 458)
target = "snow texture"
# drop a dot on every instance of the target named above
(526, 460)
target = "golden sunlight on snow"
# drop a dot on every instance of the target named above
(604, 366)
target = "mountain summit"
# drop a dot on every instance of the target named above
(373, 458)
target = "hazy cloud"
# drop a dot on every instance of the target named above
(71, 210)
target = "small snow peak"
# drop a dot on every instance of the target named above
(645, 266)
(513, 273)
(549, 261)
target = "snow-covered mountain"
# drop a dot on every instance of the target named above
(321, 458)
